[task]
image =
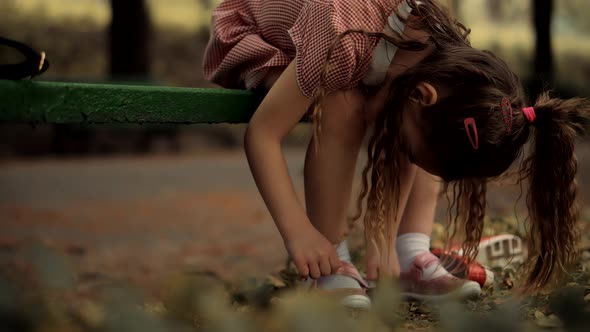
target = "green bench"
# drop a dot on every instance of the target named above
(77, 103)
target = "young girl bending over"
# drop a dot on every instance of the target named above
(436, 107)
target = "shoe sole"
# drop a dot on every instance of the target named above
(469, 291)
(356, 302)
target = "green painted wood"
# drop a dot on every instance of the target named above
(53, 102)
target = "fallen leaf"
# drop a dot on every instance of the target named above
(156, 308)
(245, 308)
(75, 250)
(275, 301)
(539, 314)
(485, 307)
(91, 313)
(276, 282)
(549, 321)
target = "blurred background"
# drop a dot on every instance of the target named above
(161, 42)
(135, 201)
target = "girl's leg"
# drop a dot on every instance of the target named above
(422, 275)
(329, 172)
(375, 270)
(419, 213)
(328, 177)
(416, 225)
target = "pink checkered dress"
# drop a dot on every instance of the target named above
(249, 37)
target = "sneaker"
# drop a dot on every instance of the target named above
(353, 298)
(457, 265)
(447, 286)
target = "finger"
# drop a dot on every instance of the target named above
(314, 270)
(325, 267)
(302, 268)
(372, 271)
(334, 262)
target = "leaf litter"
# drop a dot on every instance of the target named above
(202, 301)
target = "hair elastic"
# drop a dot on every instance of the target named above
(470, 122)
(529, 113)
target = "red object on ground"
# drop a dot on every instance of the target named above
(459, 267)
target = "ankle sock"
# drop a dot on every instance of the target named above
(342, 250)
(409, 246)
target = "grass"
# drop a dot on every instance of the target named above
(42, 292)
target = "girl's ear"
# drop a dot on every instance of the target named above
(424, 94)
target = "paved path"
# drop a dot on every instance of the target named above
(136, 217)
(143, 217)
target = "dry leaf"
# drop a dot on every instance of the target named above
(549, 321)
(91, 313)
(276, 282)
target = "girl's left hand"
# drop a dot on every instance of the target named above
(374, 268)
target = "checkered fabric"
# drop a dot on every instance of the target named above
(249, 37)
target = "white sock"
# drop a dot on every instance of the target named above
(409, 246)
(342, 250)
(339, 281)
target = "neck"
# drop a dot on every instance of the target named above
(401, 61)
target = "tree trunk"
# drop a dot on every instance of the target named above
(542, 14)
(130, 34)
(455, 6)
(495, 9)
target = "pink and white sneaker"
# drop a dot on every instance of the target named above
(417, 285)
(354, 298)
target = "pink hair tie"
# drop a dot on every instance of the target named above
(470, 122)
(529, 113)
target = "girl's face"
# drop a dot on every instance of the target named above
(417, 149)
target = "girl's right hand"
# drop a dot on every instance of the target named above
(313, 255)
(281, 110)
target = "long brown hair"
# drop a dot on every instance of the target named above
(476, 82)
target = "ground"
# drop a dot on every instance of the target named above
(143, 219)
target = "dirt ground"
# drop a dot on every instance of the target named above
(141, 217)
(138, 218)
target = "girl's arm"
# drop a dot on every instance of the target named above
(280, 111)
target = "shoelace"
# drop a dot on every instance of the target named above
(34, 64)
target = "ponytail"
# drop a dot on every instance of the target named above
(551, 171)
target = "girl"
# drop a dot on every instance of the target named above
(437, 107)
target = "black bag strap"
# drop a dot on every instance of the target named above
(34, 64)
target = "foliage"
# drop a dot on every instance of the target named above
(574, 12)
(41, 293)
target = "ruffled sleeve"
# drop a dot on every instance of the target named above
(319, 23)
